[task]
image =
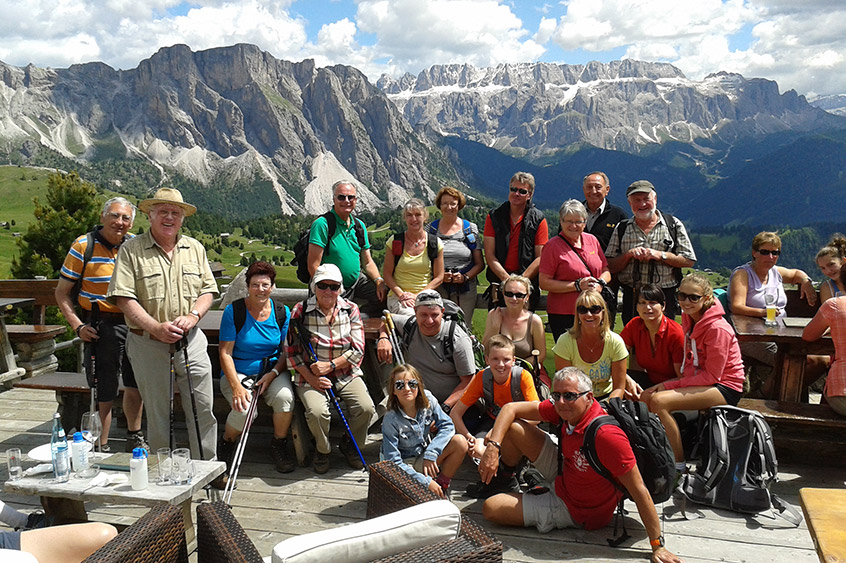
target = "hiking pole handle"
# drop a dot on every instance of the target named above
(393, 336)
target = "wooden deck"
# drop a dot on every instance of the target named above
(272, 506)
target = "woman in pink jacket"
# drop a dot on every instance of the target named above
(712, 370)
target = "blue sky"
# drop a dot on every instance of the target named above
(802, 45)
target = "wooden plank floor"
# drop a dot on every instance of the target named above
(272, 506)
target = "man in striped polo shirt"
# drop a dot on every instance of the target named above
(104, 333)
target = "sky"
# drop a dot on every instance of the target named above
(799, 43)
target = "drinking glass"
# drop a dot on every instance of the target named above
(13, 460)
(772, 310)
(92, 429)
(182, 470)
(164, 466)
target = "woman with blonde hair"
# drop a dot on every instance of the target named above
(594, 348)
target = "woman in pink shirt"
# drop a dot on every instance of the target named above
(712, 369)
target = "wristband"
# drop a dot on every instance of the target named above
(497, 445)
(579, 285)
(79, 328)
(657, 542)
(383, 338)
(275, 371)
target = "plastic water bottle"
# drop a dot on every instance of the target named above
(59, 453)
(79, 448)
(138, 469)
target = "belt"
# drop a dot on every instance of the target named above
(145, 334)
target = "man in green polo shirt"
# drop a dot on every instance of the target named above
(349, 249)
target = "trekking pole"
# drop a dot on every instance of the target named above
(249, 383)
(172, 350)
(393, 336)
(94, 322)
(312, 357)
(184, 343)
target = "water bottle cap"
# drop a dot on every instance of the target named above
(77, 437)
(139, 453)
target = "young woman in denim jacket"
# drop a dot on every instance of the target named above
(431, 460)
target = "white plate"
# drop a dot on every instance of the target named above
(41, 453)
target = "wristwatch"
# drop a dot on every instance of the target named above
(657, 542)
(664, 256)
(196, 313)
(332, 365)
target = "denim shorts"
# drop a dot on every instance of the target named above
(10, 540)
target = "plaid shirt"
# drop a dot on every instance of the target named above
(659, 239)
(344, 337)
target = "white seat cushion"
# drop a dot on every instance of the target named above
(14, 556)
(423, 524)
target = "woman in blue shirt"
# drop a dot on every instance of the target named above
(243, 351)
(406, 437)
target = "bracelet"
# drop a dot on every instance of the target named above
(579, 284)
(378, 280)
(79, 328)
(275, 371)
(493, 443)
(383, 338)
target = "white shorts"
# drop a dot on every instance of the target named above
(547, 511)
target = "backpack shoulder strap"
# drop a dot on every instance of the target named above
(432, 227)
(487, 388)
(621, 230)
(331, 226)
(432, 248)
(398, 245)
(281, 316)
(358, 226)
(86, 258)
(673, 227)
(717, 464)
(408, 330)
(516, 380)
(589, 445)
(239, 314)
(449, 341)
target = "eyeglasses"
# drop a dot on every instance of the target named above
(401, 384)
(568, 396)
(345, 197)
(649, 304)
(692, 297)
(765, 252)
(521, 191)
(118, 216)
(593, 309)
(515, 294)
(261, 286)
(330, 286)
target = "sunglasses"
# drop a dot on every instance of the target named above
(521, 191)
(330, 286)
(568, 396)
(593, 309)
(692, 297)
(516, 294)
(344, 197)
(765, 252)
(401, 384)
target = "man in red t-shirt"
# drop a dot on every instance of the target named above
(582, 497)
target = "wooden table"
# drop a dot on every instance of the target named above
(65, 501)
(825, 513)
(8, 366)
(792, 351)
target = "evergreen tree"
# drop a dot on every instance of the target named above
(72, 209)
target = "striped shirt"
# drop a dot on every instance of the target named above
(344, 337)
(98, 271)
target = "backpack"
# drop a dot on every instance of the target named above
(398, 246)
(738, 464)
(469, 238)
(488, 389)
(454, 316)
(239, 315)
(672, 226)
(652, 450)
(300, 259)
(89, 252)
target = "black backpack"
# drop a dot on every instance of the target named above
(300, 259)
(239, 315)
(399, 245)
(651, 448)
(738, 464)
(86, 258)
(488, 388)
(454, 317)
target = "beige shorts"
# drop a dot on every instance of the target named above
(547, 511)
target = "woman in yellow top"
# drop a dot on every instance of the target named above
(414, 260)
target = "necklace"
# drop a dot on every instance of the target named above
(589, 347)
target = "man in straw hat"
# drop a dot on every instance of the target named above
(163, 284)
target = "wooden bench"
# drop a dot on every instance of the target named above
(825, 512)
(40, 290)
(801, 429)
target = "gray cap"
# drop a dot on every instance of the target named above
(429, 298)
(640, 186)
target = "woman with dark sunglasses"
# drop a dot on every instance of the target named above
(570, 263)
(752, 285)
(430, 458)
(514, 320)
(594, 348)
(712, 370)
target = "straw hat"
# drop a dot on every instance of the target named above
(167, 195)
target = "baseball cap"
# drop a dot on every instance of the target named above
(429, 298)
(640, 186)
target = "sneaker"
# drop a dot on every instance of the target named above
(105, 449)
(321, 463)
(280, 456)
(136, 440)
(535, 483)
(348, 449)
(36, 520)
(497, 485)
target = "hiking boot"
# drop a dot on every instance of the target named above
(498, 484)
(348, 449)
(225, 451)
(36, 520)
(279, 455)
(136, 440)
(321, 463)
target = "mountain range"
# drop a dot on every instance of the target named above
(235, 120)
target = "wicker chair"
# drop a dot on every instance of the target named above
(220, 539)
(157, 537)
